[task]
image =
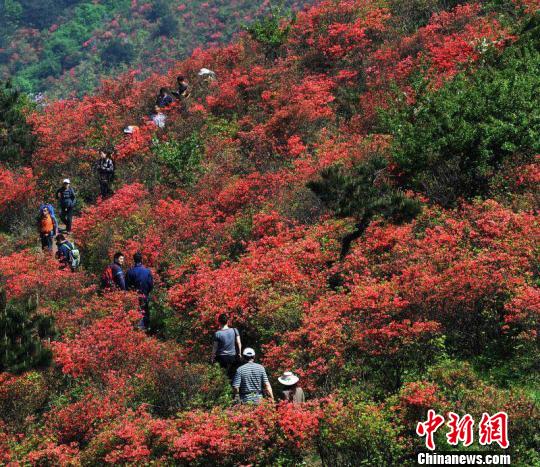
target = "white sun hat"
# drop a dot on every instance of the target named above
(248, 352)
(288, 378)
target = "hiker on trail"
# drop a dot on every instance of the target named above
(182, 90)
(66, 196)
(67, 254)
(113, 277)
(250, 380)
(164, 99)
(158, 118)
(47, 226)
(291, 393)
(227, 346)
(105, 171)
(206, 75)
(140, 278)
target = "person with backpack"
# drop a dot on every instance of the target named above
(251, 381)
(67, 253)
(227, 346)
(105, 170)
(292, 392)
(140, 278)
(66, 197)
(113, 277)
(47, 226)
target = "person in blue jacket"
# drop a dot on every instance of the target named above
(140, 278)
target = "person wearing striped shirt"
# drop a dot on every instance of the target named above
(251, 381)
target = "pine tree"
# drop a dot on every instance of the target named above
(17, 142)
(364, 192)
(22, 331)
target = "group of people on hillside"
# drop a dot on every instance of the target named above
(138, 278)
(182, 92)
(47, 223)
(249, 381)
(49, 231)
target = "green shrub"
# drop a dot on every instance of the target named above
(358, 433)
(21, 333)
(182, 158)
(270, 33)
(183, 387)
(452, 141)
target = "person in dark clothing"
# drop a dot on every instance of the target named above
(64, 251)
(105, 171)
(182, 87)
(113, 277)
(140, 278)
(164, 99)
(66, 196)
(227, 346)
(47, 227)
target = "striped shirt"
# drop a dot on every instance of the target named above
(250, 380)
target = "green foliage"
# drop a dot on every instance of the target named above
(270, 33)
(117, 52)
(23, 397)
(16, 139)
(359, 435)
(168, 26)
(364, 191)
(185, 387)
(452, 141)
(21, 333)
(182, 158)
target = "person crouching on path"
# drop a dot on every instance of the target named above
(251, 381)
(63, 253)
(291, 393)
(140, 278)
(227, 346)
(66, 196)
(47, 227)
(105, 172)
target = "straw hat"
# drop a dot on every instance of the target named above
(288, 378)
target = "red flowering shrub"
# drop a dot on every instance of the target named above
(28, 273)
(15, 188)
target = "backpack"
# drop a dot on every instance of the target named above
(107, 279)
(74, 256)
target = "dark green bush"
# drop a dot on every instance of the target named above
(452, 141)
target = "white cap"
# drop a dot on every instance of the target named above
(248, 352)
(129, 129)
(205, 71)
(288, 378)
(66, 180)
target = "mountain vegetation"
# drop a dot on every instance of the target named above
(358, 189)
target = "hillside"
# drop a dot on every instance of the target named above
(358, 190)
(64, 47)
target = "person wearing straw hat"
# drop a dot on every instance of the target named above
(250, 380)
(291, 393)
